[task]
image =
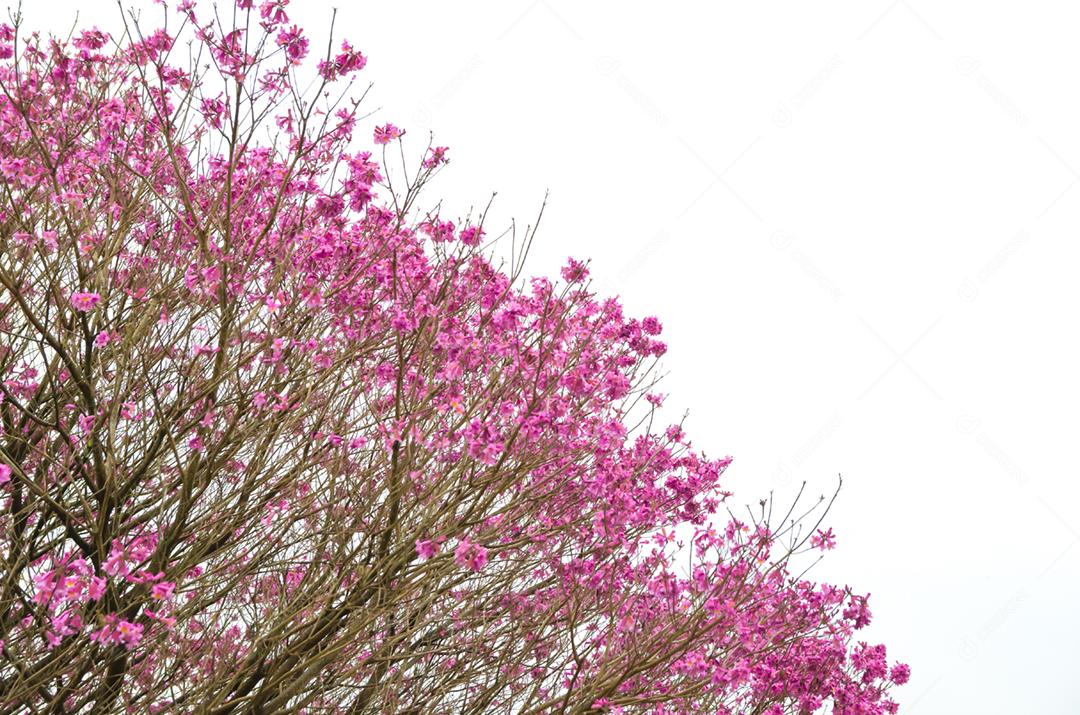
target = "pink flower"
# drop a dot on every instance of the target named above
(116, 564)
(471, 235)
(84, 302)
(426, 548)
(5, 474)
(48, 238)
(162, 590)
(440, 231)
(386, 133)
(294, 43)
(213, 109)
(347, 62)
(469, 555)
(129, 634)
(574, 271)
(169, 621)
(117, 631)
(436, 157)
(823, 540)
(93, 39)
(95, 588)
(858, 611)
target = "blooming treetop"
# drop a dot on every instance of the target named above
(275, 438)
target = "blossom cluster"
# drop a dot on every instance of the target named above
(279, 437)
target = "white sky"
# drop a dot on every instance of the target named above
(857, 222)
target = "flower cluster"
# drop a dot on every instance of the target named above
(278, 435)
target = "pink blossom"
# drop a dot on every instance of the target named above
(345, 63)
(84, 302)
(95, 588)
(469, 555)
(294, 43)
(439, 231)
(386, 133)
(823, 540)
(93, 39)
(471, 235)
(116, 565)
(48, 240)
(116, 630)
(5, 473)
(426, 548)
(436, 156)
(213, 109)
(574, 271)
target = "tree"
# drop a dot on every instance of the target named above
(276, 439)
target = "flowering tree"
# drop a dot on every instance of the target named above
(276, 439)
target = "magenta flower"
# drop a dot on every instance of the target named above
(95, 588)
(85, 302)
(471, 235)
(116, 564)
(426, 548)
(386, 133)
(294, 44)
(128, 633)
(5, 474)
(469, 555)
(574, 271)
(436, 157)
(823, 540)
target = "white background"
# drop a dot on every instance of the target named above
(857, 222)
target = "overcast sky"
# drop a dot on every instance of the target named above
(858, 224)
